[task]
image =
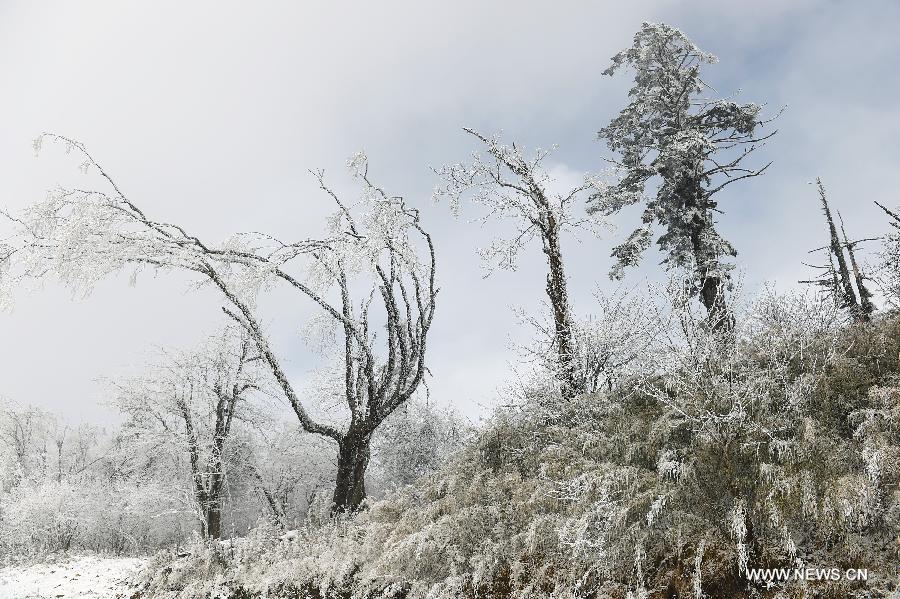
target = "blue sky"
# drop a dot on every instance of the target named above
(210, 113)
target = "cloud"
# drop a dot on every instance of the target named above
(210, 113)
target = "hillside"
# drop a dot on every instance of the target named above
(778, 451)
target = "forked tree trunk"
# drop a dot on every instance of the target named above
(846, 291)
(866, 307)
(353, 459)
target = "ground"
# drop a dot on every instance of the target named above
(77, 576)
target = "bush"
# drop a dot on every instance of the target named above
(41, 518)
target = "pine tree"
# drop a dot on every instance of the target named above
(694, 145)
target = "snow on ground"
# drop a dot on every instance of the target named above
(77, 576)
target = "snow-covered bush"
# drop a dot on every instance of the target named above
(66, 487)
(39, 518)
(416, 441)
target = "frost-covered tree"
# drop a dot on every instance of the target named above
(512, 186)
(26, 435)
(191, 402)
(38, 445)
(693, 145)
(373, 276)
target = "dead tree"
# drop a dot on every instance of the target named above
(837, 278)
(511, 186)
(81, 236)
(866, 307)
(847, 294)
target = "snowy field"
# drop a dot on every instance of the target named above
(85, 576)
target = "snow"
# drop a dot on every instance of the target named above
(77, 576)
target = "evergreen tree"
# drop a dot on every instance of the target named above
(694, 145)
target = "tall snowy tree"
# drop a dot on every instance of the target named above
(693, 145)
(372, 276)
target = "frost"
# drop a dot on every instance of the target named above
(668, 466)
(358, 164)
(655, 508)
(738, 525)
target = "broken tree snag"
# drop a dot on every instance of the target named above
(839, 278)
(895, 218)
(866, 307)
(848, 295)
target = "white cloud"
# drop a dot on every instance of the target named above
(209, 114)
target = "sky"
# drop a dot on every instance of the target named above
(209, 114)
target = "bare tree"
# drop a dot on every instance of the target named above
(81, 236)
(192, 401)
(514, 187)
(375, 386)
(694, 145)
(866, 306)
(838, 279)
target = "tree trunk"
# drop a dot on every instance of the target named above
(214, 520)
(557, 291)
(711, 286)
(710, 283)
(712, 295)
(353, 459)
